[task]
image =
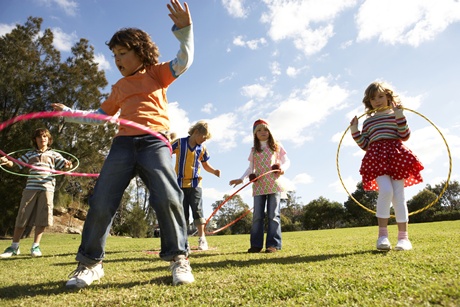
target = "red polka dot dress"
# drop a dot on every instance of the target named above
(382, 137)
(392, 158)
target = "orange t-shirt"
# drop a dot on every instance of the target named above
(141, 98)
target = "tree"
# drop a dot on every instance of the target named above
(450, 200)
(323, 214)
(419, 201)
(292, 213)
(357, 216)
(231, 211)
(31, 78)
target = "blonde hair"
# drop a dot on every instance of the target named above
(202, 127)
(378, 87)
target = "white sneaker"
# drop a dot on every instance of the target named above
(9, 251)
(403, 245)
(181, 271)
(84, 276)
(202, 244)
(35, 251)
(383, 244)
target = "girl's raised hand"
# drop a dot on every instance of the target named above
(354, 121)
(398, 109)
(180, 16)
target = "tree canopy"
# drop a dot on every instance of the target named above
(32, 76)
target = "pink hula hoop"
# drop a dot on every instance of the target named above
(230, 197)
(108, 118)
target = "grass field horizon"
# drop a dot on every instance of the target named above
(337, 267)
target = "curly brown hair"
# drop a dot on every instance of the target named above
(137, 40)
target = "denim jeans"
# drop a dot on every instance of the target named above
(274, 221)
(148, 157)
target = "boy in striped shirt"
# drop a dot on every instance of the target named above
(191, 153)
(36, 208)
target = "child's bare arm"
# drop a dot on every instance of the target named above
(207, 167)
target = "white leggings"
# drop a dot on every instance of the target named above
(391, 191)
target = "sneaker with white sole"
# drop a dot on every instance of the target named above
(35, 251)
(383, 244)
(181, 271)
(10, 251)
(403, 245)
(202, 244)
(84, 276)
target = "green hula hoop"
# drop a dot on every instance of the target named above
(36, 176)
(410, 213)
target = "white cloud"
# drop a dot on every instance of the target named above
(180, 123)
(410, 22)
(235, 8)
(227, 78)
(208, 108)
(349, 182)
(308, 23)
(302, 179)
(246, 107)
(275, 68)
(251, 44)
(305, 108)
(68, 6)
(256, 91)
(422, 142)
(224, 130)
(5, 28)
(292, 71)
(102, 62)
(63, 41)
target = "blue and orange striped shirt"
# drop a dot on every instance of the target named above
(188, 162)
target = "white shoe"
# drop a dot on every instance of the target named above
(403, 245)
(9, 251)
(35, 251)
(181, 271)
(383, 244)
(84, 276)
(202, 244)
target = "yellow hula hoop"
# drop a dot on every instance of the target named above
(448, 174)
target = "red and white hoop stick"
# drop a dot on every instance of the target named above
(107, 118)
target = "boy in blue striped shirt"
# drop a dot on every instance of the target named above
(191, 153)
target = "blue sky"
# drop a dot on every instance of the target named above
(301, 64)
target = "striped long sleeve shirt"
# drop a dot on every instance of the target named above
(41, 179)
(381, 127)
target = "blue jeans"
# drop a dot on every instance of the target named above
(274, 221)
(129, 156)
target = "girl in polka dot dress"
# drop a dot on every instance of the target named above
(266, 155)
(388, 165)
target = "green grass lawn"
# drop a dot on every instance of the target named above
(337, 267)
